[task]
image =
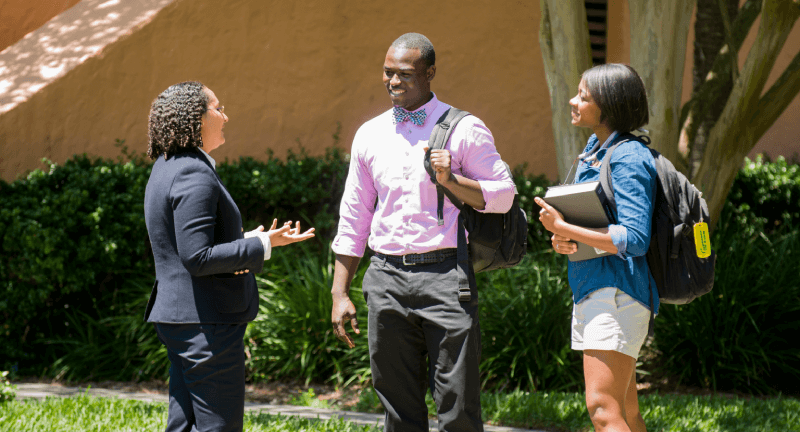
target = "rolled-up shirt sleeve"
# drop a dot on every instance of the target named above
(633, 177)
(357, 206)
(482, 163)
(619, 236)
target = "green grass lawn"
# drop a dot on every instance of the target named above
(674, 413)
(552, 411)
(679, 413)
(90, 414)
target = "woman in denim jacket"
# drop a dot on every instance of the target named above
(612, 293)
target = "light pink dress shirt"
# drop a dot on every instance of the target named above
(386, 164)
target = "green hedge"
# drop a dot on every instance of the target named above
(765, 196)
(76, 270)
(74, 237)
(69, 236)
(742, 336)
(300, 187)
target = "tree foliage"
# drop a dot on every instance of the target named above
(730, 108)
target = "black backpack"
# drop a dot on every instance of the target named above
(680, 275)
(495, 240)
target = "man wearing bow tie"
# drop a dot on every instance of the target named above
(420, 334)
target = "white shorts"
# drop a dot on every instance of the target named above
(609, 320)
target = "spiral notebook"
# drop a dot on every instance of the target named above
(582, 204)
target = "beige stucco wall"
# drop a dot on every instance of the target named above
(20, 17)
(287, 72)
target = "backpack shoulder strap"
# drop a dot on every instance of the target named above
(439, 136)
(441, 133)
(605, 171)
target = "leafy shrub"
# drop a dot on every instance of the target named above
(525, 324)
(302, 187)
(76, 269)
(66, 234)
(74, 234)
(765, 196)
(742, 335)
(7, 391)
(292, 336)
(110, 340)
(530, 186)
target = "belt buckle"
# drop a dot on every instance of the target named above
(407, 263)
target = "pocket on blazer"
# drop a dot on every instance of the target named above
(229, 292)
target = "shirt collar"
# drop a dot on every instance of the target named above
(591, 155)
(209, 158)
(429, 107)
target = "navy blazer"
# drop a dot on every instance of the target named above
(195, 231)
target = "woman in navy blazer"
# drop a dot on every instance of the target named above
(205, 292)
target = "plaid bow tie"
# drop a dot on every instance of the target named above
(400, 115)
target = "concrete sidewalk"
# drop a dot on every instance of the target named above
(40, 391)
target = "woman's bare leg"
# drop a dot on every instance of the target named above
(608, 376)
(632, 414)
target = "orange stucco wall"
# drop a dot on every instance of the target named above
(287, 73)
(20, 17)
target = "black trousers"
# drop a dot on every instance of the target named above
(421, 336)
(206, 376)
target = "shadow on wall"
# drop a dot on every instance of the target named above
(66, 41)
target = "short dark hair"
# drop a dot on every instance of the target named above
(420, 42)
(176, 119)
(620, 94)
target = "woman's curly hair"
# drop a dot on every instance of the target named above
(176, 117)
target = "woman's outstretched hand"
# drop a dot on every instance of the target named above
(286, 234)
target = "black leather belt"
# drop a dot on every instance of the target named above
(431, 257)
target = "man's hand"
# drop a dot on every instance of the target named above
(467, 190)
(342, 311)
(440, 162)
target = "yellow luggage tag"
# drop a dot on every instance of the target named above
(702, 240)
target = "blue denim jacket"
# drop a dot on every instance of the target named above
(633, 173)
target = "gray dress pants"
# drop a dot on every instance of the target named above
(419, 333)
